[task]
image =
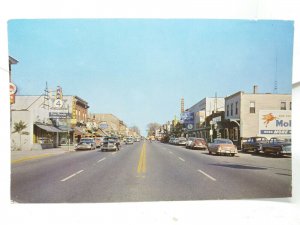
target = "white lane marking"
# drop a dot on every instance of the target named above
(210, 177)
(101, 160)
(74, 174)
(170, 152)
(181, 159)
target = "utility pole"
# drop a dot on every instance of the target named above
(68, 127)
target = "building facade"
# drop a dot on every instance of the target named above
(50, 119)
(204, 108)
(110, 124)
(243, 112)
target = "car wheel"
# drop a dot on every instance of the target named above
(232, 154)
(209, 152)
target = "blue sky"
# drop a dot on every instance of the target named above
(138, 69)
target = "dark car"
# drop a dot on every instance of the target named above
(110, 144)
(254, 144)
(278, 146)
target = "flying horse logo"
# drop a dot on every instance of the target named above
(268, 118)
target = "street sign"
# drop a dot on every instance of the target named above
(103, 125)
(12, 88)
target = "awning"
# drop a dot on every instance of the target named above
(100, 132)
(65, 129)
(49, 128)
(78, 131)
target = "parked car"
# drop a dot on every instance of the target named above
(86, 144)
(176, 141)
(181, 141)
(129, 141)
(277, 146)
(222, 146)
(254, 144)
(110, 143)
(171, 140)
(189, 142)
(99, 141)
(198, 143)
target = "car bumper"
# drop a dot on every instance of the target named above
(108, 148)
(228, 151)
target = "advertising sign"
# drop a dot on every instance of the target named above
(275, 123)
(103, 125)
(59, 115)
(187, 118)
(12, 92)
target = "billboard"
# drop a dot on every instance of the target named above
(187, 118)
(275, 123)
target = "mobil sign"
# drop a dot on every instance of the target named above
(275, 123)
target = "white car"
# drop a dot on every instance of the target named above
(86, 144)
(189, 142)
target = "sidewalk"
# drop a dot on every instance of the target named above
(20, 156)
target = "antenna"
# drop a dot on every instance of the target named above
(46, 98)
(275, 82)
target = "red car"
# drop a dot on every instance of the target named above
(198, 143)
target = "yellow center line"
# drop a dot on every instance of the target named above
(31, 158)
(142, 162)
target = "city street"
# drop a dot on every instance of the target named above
(149, 171)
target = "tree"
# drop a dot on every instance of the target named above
(18, 128)
(152, 127)
(135, 129)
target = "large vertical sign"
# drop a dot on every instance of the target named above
(275, 123)
(74, 119)
(59, 108)
(12, 92)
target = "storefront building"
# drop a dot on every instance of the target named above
(40, 131)
(201, 110)
(245, 111)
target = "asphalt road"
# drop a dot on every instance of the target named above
(148, 171)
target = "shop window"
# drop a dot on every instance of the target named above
(283, 105)
(226, 133)
(252, 107)
(227, 109)
(235, 134)
(231, 134)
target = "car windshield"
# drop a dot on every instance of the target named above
(282, 140)
(86, 141)
(223, 141)
(109, 140)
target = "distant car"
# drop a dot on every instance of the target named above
(222, 146)
(86, 144)
(99, 141)
(278, 146)
(181, 141)
(254, 144)
(110, 144)
(189, 142)
(198, 143)
(129, 141)
(171, 140)
(176, 141)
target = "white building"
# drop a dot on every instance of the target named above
(244, 112)
(203, 109)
